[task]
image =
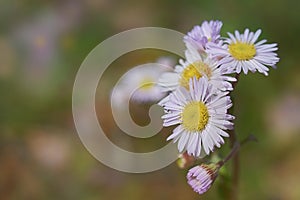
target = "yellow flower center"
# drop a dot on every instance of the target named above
(146, 84)
(242, 51)
(197, 69)
(195, 116)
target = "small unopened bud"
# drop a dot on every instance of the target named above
(185, 160)
(201, 177)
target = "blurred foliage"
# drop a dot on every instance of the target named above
(42, 45)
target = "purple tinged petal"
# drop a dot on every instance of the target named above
(255, 37)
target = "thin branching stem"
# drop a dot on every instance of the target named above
(235, 164)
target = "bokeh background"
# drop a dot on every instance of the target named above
(42, 44)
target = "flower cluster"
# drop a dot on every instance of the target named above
(199, 88)
(195, 93)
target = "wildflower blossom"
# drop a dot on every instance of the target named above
(199, 36)
(241, 52)
(196, 66)
(201, 115)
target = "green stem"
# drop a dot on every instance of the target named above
(236, 163)
(236, 148)
(232, 194)
(232, 153)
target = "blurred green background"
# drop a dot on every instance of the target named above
(42, 44)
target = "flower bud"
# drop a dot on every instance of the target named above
(185, 160)
(201, 177)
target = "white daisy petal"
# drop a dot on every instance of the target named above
(260, 43)
(192, 143)
(237, 35)
(250, 37)
(256, 35)
(221, 132)
(183, 141)
(173, 135)
(171, 123)
(199, 146)
(207, 143)
(232, 37)
(246, 33)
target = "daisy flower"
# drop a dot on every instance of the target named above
(201, 116)
(242, 53)
(201, 177)
(140, 84)
(196, 66)
(200, 35)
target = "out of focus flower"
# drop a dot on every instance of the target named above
(201, 116)
(49, 149)
(201, 177)
(196, 66)
(199, 36)
(140, 84)
(7, 57)
(242, 53)
(283, 118)
(167, 61)
(39, 39)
